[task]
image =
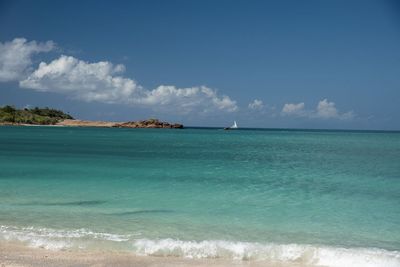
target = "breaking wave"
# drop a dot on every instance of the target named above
(301, 254)
(57, 239)
(293, 253)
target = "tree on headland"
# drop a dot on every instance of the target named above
(44, 116)
(10, 112)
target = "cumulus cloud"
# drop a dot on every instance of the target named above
(16, 57)
(187, 99)
(347, 115)
(256, 105)
(82, 80)
(293, 110)
(324, 110)
(102, 82)
(328, 110)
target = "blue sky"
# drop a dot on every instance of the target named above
(295, 64)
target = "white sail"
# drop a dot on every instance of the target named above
(234, 126)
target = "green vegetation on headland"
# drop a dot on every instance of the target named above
(40, 116)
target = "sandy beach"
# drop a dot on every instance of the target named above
(17, 255)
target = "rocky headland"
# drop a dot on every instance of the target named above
(9, 115)
(151, 123)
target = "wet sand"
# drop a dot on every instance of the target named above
(16, 255)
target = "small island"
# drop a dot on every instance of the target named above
(10, 115)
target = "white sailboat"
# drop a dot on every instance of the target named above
(234, 126)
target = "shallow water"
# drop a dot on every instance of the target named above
(246, 194)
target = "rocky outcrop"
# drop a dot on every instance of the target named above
(151, 123)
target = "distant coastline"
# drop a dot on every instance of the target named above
(150, 123)
(12, 116)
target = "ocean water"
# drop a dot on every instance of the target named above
(320, 198)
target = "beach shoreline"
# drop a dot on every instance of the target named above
(13, 254)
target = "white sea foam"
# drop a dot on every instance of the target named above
(293, 253)
(307, 255)
(55, 239)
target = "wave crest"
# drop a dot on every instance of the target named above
(299, 254)
(53, 239)
(275, 253)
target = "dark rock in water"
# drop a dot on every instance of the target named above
(177, 126)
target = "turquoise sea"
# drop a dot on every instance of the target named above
(323, 198)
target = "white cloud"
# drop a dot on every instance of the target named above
(347, 115)
(185, 100)
(82, 80)
(16, 57)
(102, 82)
(256, 105)
(328, 110)
(293, 110)
(324, 110)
